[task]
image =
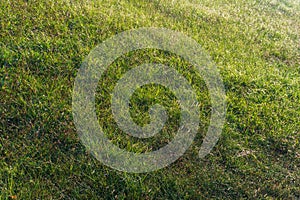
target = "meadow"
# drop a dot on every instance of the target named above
(256, 47)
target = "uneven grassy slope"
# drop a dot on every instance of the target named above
(256, 46)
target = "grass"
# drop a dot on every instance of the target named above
(255, 45)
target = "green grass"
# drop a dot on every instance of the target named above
(256, 46)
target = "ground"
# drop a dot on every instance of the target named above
(255, 45)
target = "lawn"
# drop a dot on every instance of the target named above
(255, 46)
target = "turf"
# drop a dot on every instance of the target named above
(255, 45)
